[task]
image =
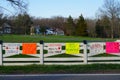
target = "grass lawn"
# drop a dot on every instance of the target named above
(69, 69)
(48, 38)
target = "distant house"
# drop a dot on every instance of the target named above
(59, 32)
(50, 31)
(5, 28)
(37, 29)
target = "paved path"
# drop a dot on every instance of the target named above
(62, 77)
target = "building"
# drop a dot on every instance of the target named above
(59, 32)
(5, 29)
(50, 31)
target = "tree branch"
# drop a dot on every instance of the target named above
(18, 4)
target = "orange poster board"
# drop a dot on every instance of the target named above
(29, 48)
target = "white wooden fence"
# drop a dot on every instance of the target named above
(86, 55)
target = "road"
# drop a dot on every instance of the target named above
(62, 77)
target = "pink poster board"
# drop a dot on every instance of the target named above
(112, 47)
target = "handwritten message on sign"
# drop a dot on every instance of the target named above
(72, 48)
(29, 48)
(12, 48)
(54, 48)
(112, 47)
(96, 48)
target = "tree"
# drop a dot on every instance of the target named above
(43, 30)
(70, 26)
(91, 27)
(23, 23)
(105, 22)
(103, 27)
(56, 22)
(20, 5)
(2, 20)
(81, 27)
(111, 8)
(99, 29)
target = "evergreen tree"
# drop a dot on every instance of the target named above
(106, 26)
(43, 30)
(23, 23)
(81, 27)
(99, 29)
(70, 26)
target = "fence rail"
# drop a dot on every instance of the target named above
(45, 52)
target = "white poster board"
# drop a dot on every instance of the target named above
(12, 48)
(54, 48)
(96, 48)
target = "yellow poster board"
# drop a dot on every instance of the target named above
(72, 48)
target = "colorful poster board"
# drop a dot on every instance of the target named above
(12, 48)
(72, 48)
(54, 48)
(29, 48)
(112, 47)
(96, 48)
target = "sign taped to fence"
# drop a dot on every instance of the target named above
(12, 48)
(29, 48)
(72, 48)
(96, 48)
(54, 48)
(112, 47)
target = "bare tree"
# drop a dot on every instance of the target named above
(91, 27)
(20, 5)
(111, 8)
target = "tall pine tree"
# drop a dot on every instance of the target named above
(70, 26)
(99, 29)
(81, 27)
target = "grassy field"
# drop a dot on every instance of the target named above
(49, 38)
(61, 69)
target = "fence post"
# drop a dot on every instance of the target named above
(1, 56)
(41, 52)
(85, 51)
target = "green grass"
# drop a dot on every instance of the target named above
(105, 55)
(28, 56)
(48, 38)
(50, 69)
(62, 55)
(21, 56)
